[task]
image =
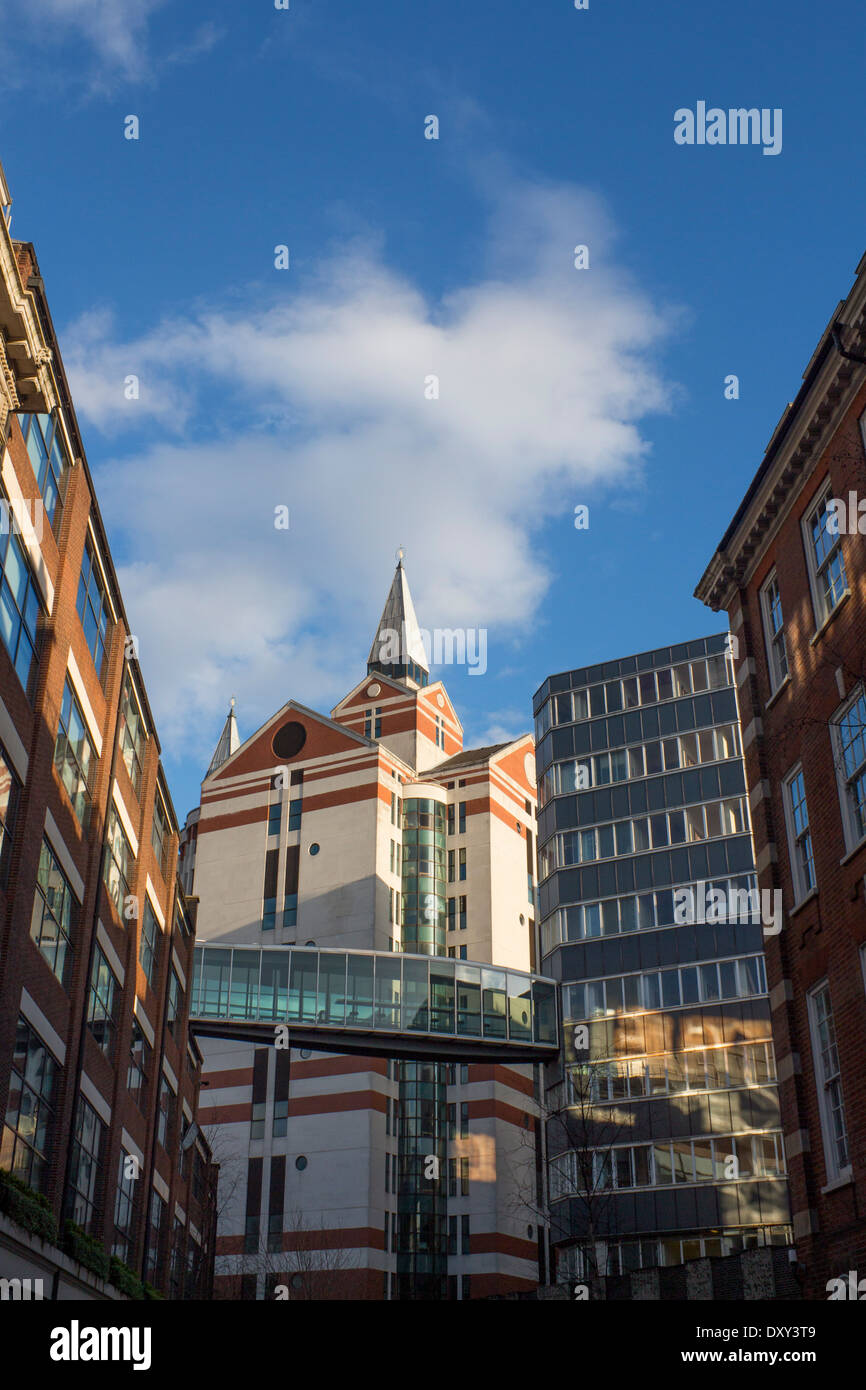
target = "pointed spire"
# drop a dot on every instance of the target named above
(229, 741)
(398, 649)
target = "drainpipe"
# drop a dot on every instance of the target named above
(836, 332)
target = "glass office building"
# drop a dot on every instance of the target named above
(663, 1132)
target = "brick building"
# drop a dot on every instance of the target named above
(98, 1077)
(368, 829)
(790, 571)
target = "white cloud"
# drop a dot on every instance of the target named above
(546, 374)
(117, 32)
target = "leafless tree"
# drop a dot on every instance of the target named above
(580, 1131)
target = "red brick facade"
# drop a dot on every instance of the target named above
(788, 724)
(91, 1055)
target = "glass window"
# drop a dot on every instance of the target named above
(695, 823)
(10, 789)
(125, 1206)
(92, 605)
(849, 732)
(119, 861)
(826, 562)
(74, 756)
(799, 834)
(20, 600)
(155, 1229)
(647, 688)
(630, 693)
(774, 632)
(174, 1013)
(662, 1164)
(689, 750)
(166, 1113)
(132, 734)
(28, 1130)
(653, 756)
(709, 976)
(138, 1070)
(55, 914)
(85, 1188)
(699, 675)
(160, 832)
(103, 1005)
(46, 446)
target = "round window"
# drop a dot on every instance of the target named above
(297, 1281)
(305, 1052)
(314, 848)
(309, 943)
(300, 1163)
(289, 740)
(522, 920)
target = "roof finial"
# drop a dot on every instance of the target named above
(401, 555)
(233, 702)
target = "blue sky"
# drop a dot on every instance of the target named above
(305, 387)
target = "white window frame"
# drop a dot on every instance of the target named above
(771, 638)
(834, 1169)
(853, 836)
(801, 889)
(820, 606)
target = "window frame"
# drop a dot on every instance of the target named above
(65, 926)
(801, 888)
(821, 607)
(132, 744)
(102, 632)
(26, 623)
(46, 447)
(853, 835)
(81, 799)
(835, 1169)
(772, 635)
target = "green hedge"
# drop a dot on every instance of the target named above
(124, 1279)
(151, 1292)
(86, 1250)
(26, 1207)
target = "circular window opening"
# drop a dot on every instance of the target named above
(289, 740)
(522, 920)
(297, 1281)
(309, 943)
(314, 848)
(305, 1052)
(300, 1163)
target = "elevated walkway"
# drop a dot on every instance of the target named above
(375, 1003)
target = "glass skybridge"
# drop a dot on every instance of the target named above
(377, 1003)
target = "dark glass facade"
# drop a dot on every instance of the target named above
(664, 1140)
(422, 1211)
